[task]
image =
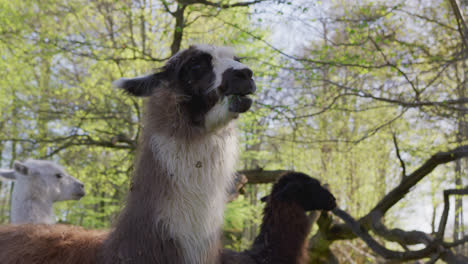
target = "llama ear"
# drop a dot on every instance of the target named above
(139, 86)
(264, 198)
(284, 194)
(8, 174)
(21, 167)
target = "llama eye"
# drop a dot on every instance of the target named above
(58, 175)
(196, 67)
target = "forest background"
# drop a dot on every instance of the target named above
(359, 94)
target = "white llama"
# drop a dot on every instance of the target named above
(38, 184)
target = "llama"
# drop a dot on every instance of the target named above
(38, 184)
(184, 167)
(283, 233)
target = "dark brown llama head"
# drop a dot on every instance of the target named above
(207, 85)
(296, 187)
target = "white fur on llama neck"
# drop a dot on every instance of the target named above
(200, 172)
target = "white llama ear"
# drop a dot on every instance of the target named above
(21, 167)
(139, 86)
(8, 174)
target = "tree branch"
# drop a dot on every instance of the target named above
(400, 236)
(456, 243)
(397, 150)
(449, 104)
(81, 140)
(462, 28)
(443, 219)
(359, 231)
(178, 28)
(220, 5)
(403, 188)
(257, 176)
(435, 246)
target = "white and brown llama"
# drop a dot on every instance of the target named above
(185, 164)
(38, 184)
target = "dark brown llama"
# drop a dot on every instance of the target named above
(286, 225)
(184, 167)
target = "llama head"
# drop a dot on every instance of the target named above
(307, 192)
(45, 179)
(209, 84)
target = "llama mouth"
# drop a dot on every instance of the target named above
(239, 103)
(79, 195)
(237, 93)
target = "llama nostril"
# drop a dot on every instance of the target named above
(247, 73)
(81, 185)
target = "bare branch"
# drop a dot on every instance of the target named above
(220, 5)
(449, 104)
(166, 7)
(400, 191)
(257, 176)
(376, 247)
(178, 28)
(456, 243)
(116, 142)
(393, 65)
(435, 247)
(397, 150)
(400, 236)
(443, 219)
(462, 28)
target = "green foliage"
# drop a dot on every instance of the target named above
(237, 214)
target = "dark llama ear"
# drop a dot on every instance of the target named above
(264, 198)
(139, 86)
(20, 167)
(285, 193)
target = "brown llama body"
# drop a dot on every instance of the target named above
(184, 167)
(51, 244)
(286, 225)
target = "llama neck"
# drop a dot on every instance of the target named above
(175, 207)
(26, 208)
(283, 235)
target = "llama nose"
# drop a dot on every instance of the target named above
(245, 73)
(238, 82)
(333, 203)
(81, 190)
